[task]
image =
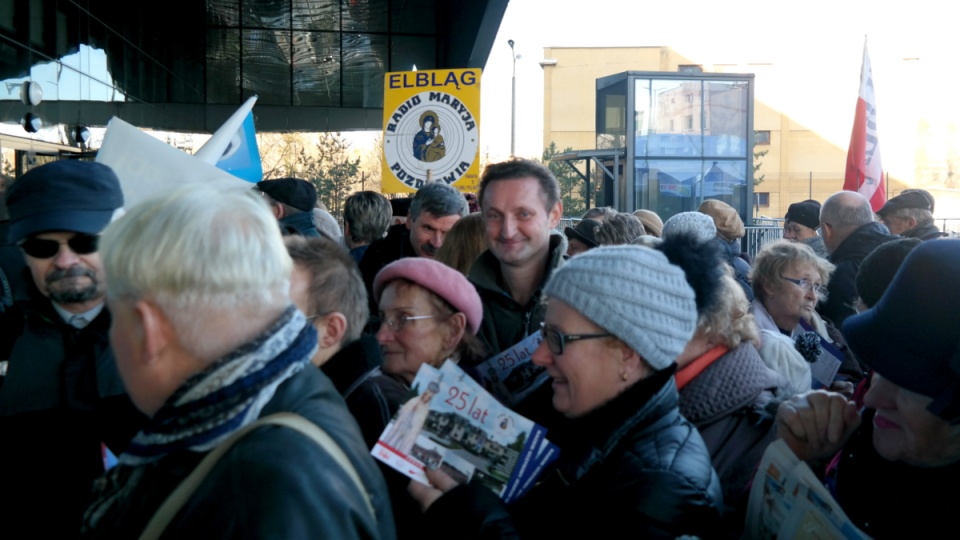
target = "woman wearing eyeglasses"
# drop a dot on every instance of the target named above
(788, 280)
(616, 319)
(429, 313)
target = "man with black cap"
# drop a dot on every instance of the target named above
(910, 214)
(582, 237)
(61, 396)
(292, 201)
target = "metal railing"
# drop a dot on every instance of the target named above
(758, 236)
(766, 230)
(949, 225)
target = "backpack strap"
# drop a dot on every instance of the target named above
(179, 496)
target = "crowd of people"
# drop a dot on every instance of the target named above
(221, 363)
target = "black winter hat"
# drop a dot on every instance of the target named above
(294, 192)
(584, 231)
(806, 213)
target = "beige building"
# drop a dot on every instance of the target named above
(799, 162)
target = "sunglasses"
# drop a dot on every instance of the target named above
(42, 248)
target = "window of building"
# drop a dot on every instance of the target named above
(761, 137)
(689, 122)
(763, 199)
(689, 98)
(690, 68)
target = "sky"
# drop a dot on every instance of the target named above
(816, 45)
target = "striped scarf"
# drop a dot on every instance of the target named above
(211, 405)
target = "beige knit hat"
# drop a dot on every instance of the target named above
(651, 222)
(725, 217)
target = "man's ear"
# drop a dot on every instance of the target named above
(407, 221)
(556, 214)
(157, 331)
(826, 230)
(277, 210)
(332, 329)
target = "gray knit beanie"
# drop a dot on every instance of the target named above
(635, 294)
(700, 225)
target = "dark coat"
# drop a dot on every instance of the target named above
(634, 467)
(273, 483)
(732, 404)
(352, 362)
(300, 223)
(924, 232)
(14, 276)
(61, 398)
(741, 269)
(373, 401)
(505, 321)
(887, 499)
(394, 246)
(842, 289)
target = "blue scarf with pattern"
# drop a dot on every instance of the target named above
(229, 394)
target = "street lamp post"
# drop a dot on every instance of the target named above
(513, 103)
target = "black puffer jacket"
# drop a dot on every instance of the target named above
(842, 289)
(634, 467)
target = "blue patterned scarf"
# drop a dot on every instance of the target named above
(228, 395)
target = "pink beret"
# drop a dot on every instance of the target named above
(437, 278)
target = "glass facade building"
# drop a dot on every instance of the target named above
(185, 65)
(684, 137)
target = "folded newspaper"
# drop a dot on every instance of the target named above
(787, 500)
(453, 424)
(511, 375)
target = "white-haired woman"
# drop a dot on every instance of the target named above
(788, 281)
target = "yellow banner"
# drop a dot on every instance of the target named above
(431, 129)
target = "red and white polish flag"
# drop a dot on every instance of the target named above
(864, 172)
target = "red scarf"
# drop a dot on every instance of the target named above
(690, 371)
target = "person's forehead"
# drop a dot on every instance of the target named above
(55, 235)
(401, 295)
(427, 218)
(514, 192)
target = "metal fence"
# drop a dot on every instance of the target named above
(766, 230)
(759, 236)
(949, 225)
